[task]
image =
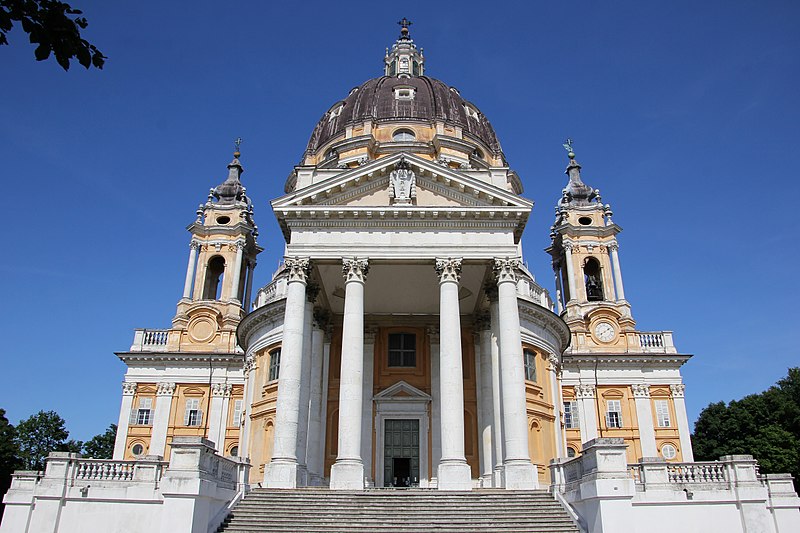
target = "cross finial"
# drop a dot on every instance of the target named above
(568, 147)
(237, 142)
(404, 24)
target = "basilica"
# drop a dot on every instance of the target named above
(403, 369)
(403, 342)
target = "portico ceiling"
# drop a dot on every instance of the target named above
(394, 288)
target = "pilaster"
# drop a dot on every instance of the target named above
(128, 392)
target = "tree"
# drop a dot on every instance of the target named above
(101, 446)
(39, 435)
(55, 27)
(8, 455)
(765, 425)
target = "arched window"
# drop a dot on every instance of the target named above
(213, 283)
(593, 279)
(403, 136)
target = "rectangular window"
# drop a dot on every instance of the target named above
(193, 416)
(274, 364)
(662, 413)
(571, 420)
(141, 416)
(237, 413)
(530, 365)
(613, 414)
(402, 349)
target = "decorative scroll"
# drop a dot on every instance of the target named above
(449, 269)
(355, 269)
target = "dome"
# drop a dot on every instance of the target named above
(408, 99)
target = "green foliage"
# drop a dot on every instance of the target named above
(55, 27)
(765, 425)
(101, 446)
(39, 435)
(8, 455)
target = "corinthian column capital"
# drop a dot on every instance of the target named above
(504, 269)
(355, 269)
(299, 268)
(448, 269)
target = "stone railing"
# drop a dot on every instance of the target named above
(274, 290)
(146, 469)
(655, 341)
(706, 472)
(530, 290)
(150, 340)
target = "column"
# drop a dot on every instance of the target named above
(497, 395)
(367, 419)
(158, 439)
(587, 411)
(237, 272)
(251, 265)
(573, 294)
(249, 387)
(316, 416)
(218, 415)
(485, 409)
(453, 472)
(348, 471)
(613, 247)
(187, 285)
(282, 471)
(554, 370)
(644, 417)
(559, 290)
(436, 404)
(312, 290)
(128, 392)
(519, 472)
(683, 421)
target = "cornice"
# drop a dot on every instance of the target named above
(546, 319)
(271, 312)
(625, 359)
(235, 359)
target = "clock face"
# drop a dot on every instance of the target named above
(604, 331)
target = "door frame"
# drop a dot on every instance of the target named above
(411, 404)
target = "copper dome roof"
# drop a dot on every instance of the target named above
(375, 99)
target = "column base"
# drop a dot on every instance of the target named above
(487, 481)
(347, 475)
(497, 477)
(521, 475)
(302, 476)
(454, 476)
(281, 475)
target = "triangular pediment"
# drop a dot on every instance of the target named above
(402, 391)
(371, 186)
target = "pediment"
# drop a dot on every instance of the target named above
(372, 185)
(402, 391)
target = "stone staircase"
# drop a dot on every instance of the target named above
(404, 510)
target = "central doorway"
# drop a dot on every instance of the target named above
(401, 453)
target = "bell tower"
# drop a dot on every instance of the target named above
(589, 290)
(219, 276)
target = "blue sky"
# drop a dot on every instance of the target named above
(684, 114)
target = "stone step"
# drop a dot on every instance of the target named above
(398, 511)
